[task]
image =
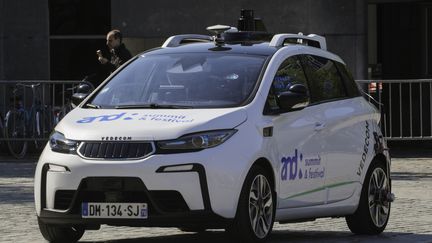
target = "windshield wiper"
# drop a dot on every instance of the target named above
(90, 105)
(153, 106)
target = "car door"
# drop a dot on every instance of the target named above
(344, 126)
(295, 141)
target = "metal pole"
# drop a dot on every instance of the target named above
(400, 110)
(63, 95)
(410, 109)
(421, 110)
(379, 96)
(390, 109)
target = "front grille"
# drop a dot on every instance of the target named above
(115, 150)
(63, 199)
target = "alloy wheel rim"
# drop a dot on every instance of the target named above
(260, 206)
(379, 206)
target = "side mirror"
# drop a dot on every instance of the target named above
(295, 98)
(82, 91)
(85, 88)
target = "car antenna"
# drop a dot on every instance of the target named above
(218, 30)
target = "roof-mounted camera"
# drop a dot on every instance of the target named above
(248, 22)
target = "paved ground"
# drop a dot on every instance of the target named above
(410, 220)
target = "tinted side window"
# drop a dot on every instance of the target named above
(290, 72)
(325, 83)
(348, 79)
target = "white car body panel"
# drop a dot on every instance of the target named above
(146, 124)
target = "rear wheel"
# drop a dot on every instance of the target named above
(60, 234)
(256, 208)
(373, 211)
(15, 128)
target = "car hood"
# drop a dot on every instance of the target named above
(146, 124)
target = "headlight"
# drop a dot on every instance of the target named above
(197, 141)
(59, 143)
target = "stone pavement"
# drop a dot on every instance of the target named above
(410, 220)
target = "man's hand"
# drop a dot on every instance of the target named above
(101, 59)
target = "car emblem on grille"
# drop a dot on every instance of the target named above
(124, 138)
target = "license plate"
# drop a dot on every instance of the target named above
(114, 210)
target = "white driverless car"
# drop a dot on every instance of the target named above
(235, 131)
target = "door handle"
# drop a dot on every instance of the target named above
(319, 126)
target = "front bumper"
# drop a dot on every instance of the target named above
(164, 211)
(209, 189)
(190, 219)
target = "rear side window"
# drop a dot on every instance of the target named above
(350, 84)
(325, 83)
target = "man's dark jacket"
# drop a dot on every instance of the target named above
(119, 55)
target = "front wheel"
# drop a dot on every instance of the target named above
(60, 234)
(373, 211)
(256, 208)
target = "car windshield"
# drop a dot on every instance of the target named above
(192, 80)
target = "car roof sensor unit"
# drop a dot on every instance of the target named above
(248, 22)
(218, 30)
(250, 29)
(313, 40)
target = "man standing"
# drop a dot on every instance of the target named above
(119, 53)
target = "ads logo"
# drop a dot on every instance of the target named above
(294, 167)
(137, 116)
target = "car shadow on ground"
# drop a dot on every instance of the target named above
(411, 176)
(284, 236)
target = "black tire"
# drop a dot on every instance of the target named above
(15, 127)
(53, 233)
(242, 228)
(366, 220)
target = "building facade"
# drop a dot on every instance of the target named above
(58, 39)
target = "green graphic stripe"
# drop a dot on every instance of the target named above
(320, 189)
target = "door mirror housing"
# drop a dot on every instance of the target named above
(295, 98)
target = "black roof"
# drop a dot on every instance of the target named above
(246, 48)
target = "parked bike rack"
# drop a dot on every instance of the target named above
(405, 106)
(53, 94)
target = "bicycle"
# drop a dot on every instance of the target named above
(22, 125)
(2, 147)
(61, 112)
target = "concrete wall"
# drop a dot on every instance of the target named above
(24, 43)
(24, 27)
(343, 22)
